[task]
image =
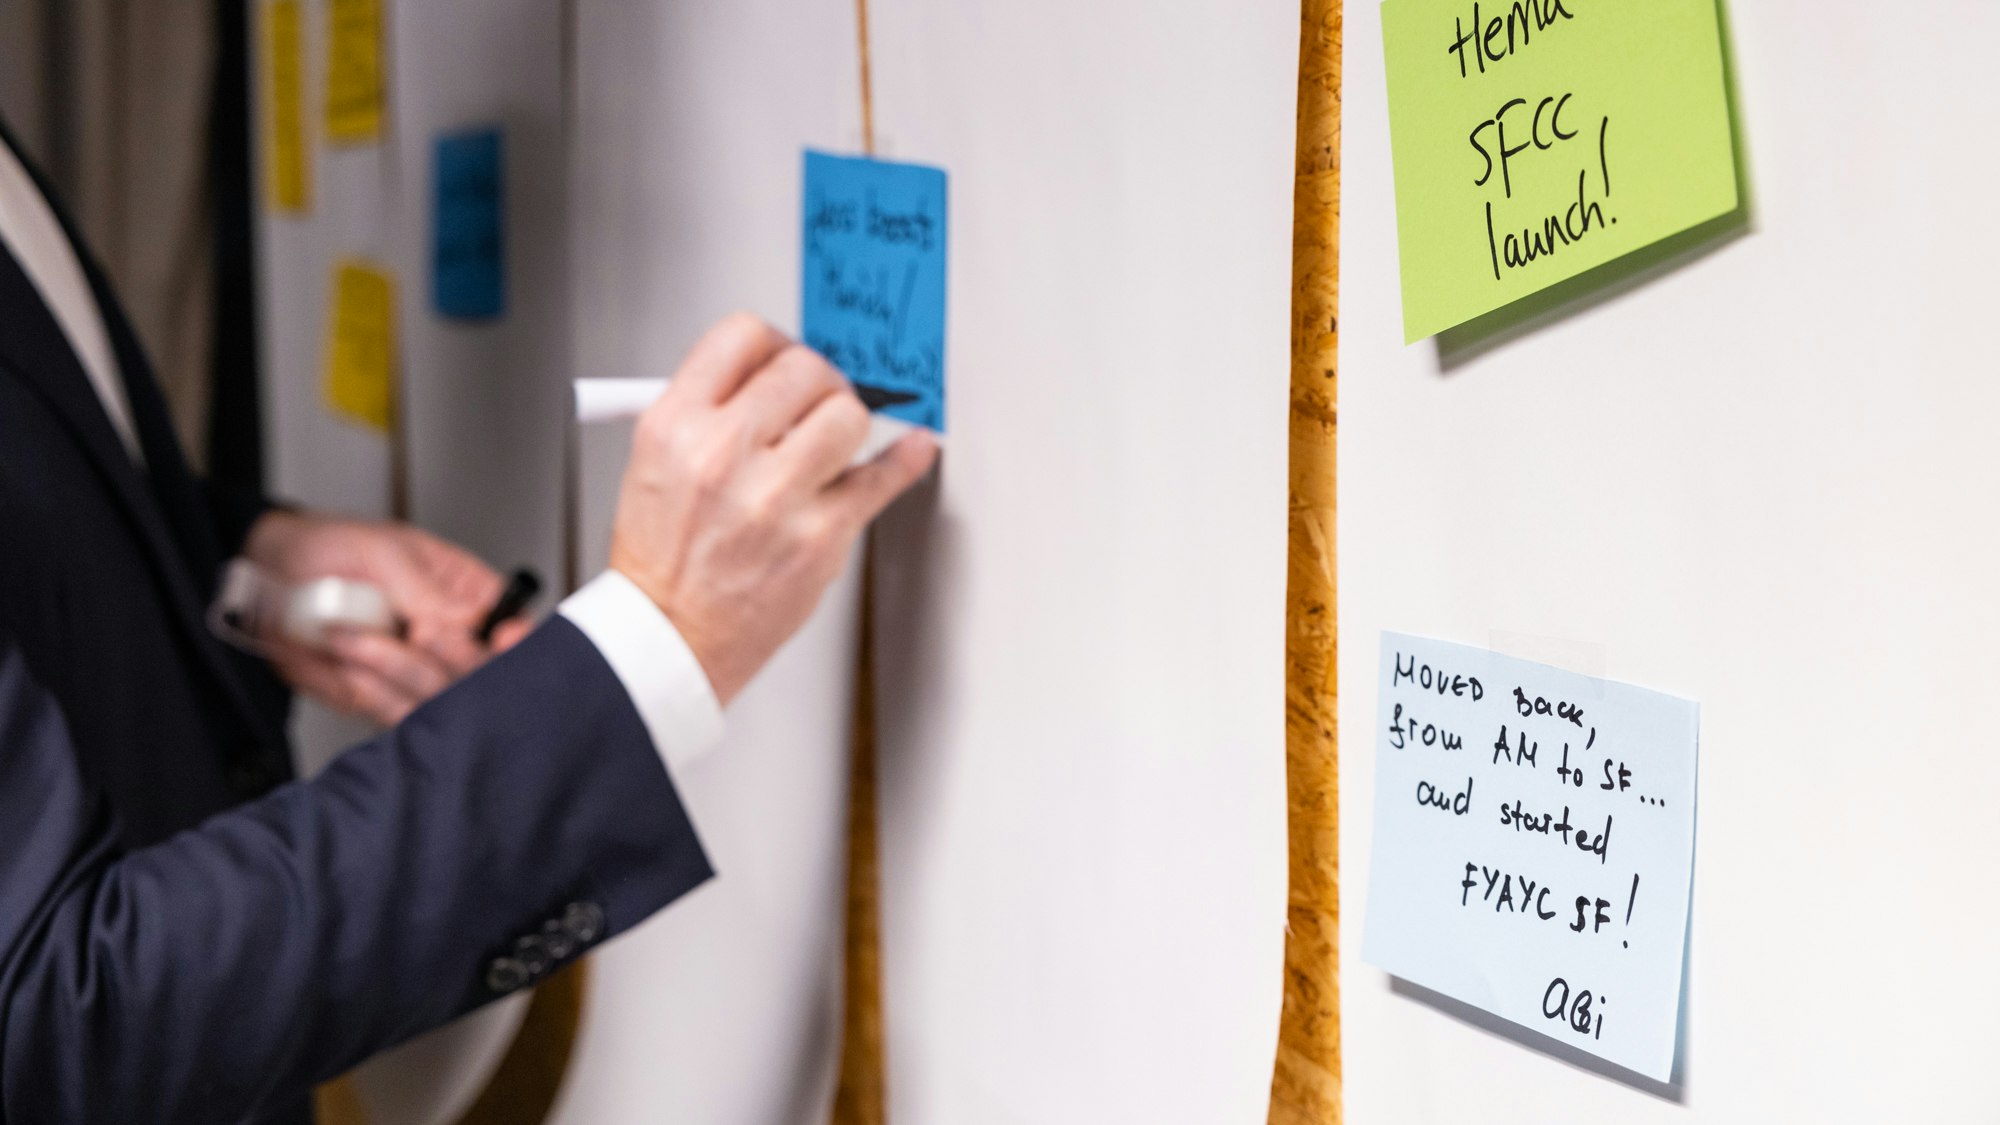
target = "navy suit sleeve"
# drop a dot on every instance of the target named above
(510, 823)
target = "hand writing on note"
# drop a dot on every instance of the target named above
(739, 504)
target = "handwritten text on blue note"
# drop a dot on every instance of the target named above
(469, 251)
(1534, 845)
(874, 278)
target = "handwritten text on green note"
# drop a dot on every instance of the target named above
(1535, 139)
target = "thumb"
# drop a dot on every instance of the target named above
(862, 492)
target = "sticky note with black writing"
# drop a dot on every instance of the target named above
(1533, 845)
(1534, 141)
(469, 246)
(873, 285)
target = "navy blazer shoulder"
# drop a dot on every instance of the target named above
(106, 569)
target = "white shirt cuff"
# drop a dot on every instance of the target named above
(658, 669)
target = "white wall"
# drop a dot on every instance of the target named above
(689, 119)
(1082, 625)
(1763, 480)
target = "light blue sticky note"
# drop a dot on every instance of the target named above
(873, 280)
(1534, 845)
(469, 249)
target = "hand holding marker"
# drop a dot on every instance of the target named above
(606, 400)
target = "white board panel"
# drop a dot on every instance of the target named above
(725, 1007)
(1763, 479)
(486, 399)
(1082, 686)
(688, 123)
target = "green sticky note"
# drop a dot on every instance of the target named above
(1536, 139)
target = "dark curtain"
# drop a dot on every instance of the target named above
(235, 430)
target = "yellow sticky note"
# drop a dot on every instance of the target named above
(287, 167)
(354, 71)
(361, 345)
(1538, 139)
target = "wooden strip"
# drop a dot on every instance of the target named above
(339, 1103)
(1305, 1081)
(867, 81)
(527, 1078)
(862, 1096)
(399, 465)
(524, 1086)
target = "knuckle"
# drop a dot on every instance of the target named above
(798, 356)
(745, 325)
(685, 432)
(809, 367)
(763, 503)
(821, 533)
(849, 416)
(660, 426)
(709, 470)
(712, 456)
(764, 336)
(727, 431)
(830, 375)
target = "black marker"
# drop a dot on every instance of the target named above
(522, 586)
(875, 398)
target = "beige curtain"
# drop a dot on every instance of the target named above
(112, 97)
(22, 50)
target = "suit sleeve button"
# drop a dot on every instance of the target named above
(533, 954)
(506, 974)
(558, 940)
(584, 921)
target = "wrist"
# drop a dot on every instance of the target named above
(672, 692)
(707, 651)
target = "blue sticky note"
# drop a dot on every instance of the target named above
(874, 276)
(469, 252)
